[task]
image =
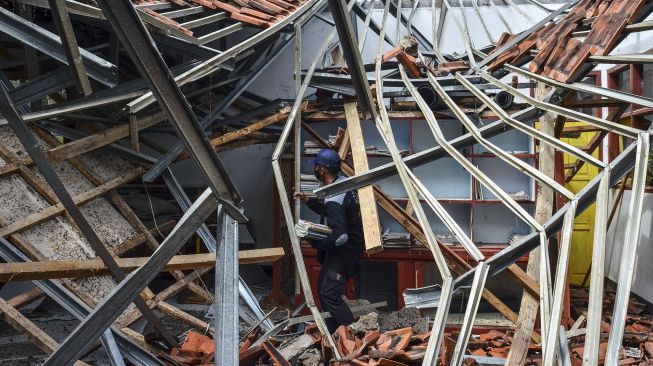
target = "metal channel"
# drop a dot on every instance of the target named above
(595, 306)
(533, 132)
(140, 46)
(581, 87)
(421, 39)
(382, 123)
(608, 125)
(478, 285)
(629, 251)
(480, 18)
(366, 27)
(499, 15)
(129, 289)
(80, 310)
(553, 329)
(226, 299)
(50, 44)
(35, 152)
(586, 197)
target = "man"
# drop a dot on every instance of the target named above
(339, 253)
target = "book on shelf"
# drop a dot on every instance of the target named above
(395, 240)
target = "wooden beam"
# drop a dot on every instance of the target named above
(345, 146)
(369, 213)
(184, 316)
(29, 271)
(58, 209)
(26, 298)
(103, 138)
(528, 309)
(20, 322)
(257, 126)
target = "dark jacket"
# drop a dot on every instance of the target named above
(343, 216)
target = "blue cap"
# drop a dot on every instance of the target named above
(327, 158)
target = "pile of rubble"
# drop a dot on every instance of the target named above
(400, 338)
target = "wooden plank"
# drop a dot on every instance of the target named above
(170, 310)
(19, 322)
(28, 271)
(133, 133)
(58, 209)
(103, 138)
(345, 145)
(26, 298)
(369, 213)
(243, 132)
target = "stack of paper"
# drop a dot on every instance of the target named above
(395, 240)
(311, 230)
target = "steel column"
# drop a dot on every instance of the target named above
(226, 298)
(629, 251)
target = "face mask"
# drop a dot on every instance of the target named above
(317, 175)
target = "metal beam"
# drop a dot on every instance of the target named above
(136, 40)
(108, 310)
(50, 44)
(623, 164)
(352, 56)
(226, 299)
